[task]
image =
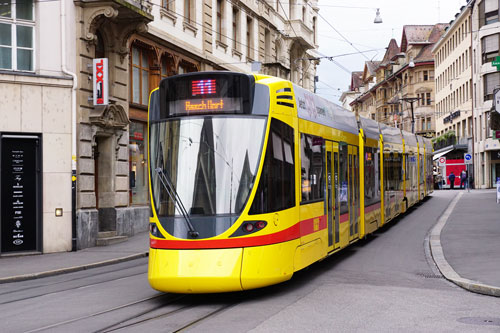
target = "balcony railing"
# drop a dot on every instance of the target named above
(451, 141)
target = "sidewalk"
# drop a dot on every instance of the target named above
(465, 242)
(21, 268)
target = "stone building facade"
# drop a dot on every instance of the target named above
(145, 42)
(35, 130)
(484, 36)
(453, 77)
(403, 95)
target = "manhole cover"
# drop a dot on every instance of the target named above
(480, 321)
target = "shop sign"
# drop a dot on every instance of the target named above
(20, 163)
(100, 81)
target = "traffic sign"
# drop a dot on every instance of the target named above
(442, 161)
(468, 158)
(496, 63)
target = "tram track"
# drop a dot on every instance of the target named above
(180, 327)
(68, 288)
(172, 299)
(23, 285)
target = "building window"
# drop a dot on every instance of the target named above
(219, 20)
(236, 24)
(139, 77)
(138, 175)
(168, 4)
(488, 12)
(426, 75)
(189, 11)
(315, 37)
(249, 38)
(491, 81)
(17, 24)
(490, 48)
(267, 45)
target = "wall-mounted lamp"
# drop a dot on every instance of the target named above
(378, 19)
(411, 64)
(59, 212)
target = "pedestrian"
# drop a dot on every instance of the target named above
(451, 178)
(440, 180)
(463, 179)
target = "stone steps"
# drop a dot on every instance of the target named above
(105, 238)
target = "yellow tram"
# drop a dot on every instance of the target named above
(253, 178)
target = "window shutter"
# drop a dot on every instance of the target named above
(490, 43)
(490, 5)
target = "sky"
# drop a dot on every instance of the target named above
(350, 29)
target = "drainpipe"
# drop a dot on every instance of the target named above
(73, 124)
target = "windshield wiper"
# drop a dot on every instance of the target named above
(172, 193)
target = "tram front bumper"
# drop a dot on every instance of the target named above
(221, 270)
(195, 271)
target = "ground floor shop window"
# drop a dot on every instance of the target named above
(138, 163)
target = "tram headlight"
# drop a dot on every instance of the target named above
(153, 229)
(253, 226)
(248, 227)
(260, 224)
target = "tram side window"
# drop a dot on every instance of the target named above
(276, 190)
(387, 171)
(398, 171)
(407, 166)
(421, 168)
(312, 167)
(372, 187)
(343, 195)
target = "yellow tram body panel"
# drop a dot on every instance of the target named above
(195, 271)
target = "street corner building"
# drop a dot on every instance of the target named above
(75, 80)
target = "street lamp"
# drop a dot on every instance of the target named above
(378, 19)
(411, 100)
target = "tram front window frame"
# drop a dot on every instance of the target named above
(199, 156)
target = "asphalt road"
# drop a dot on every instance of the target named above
(387, 283)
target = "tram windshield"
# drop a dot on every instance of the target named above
(211, 163)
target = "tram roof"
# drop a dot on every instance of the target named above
(410, 138)
(319, 110)
(391, 134)
(370, 128)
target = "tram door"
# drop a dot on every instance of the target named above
(332, 157)
(343, 194)
(353, 193)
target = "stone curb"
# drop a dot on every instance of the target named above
(33, 276)
(443, 265)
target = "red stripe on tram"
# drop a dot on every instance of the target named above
(302, 228)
